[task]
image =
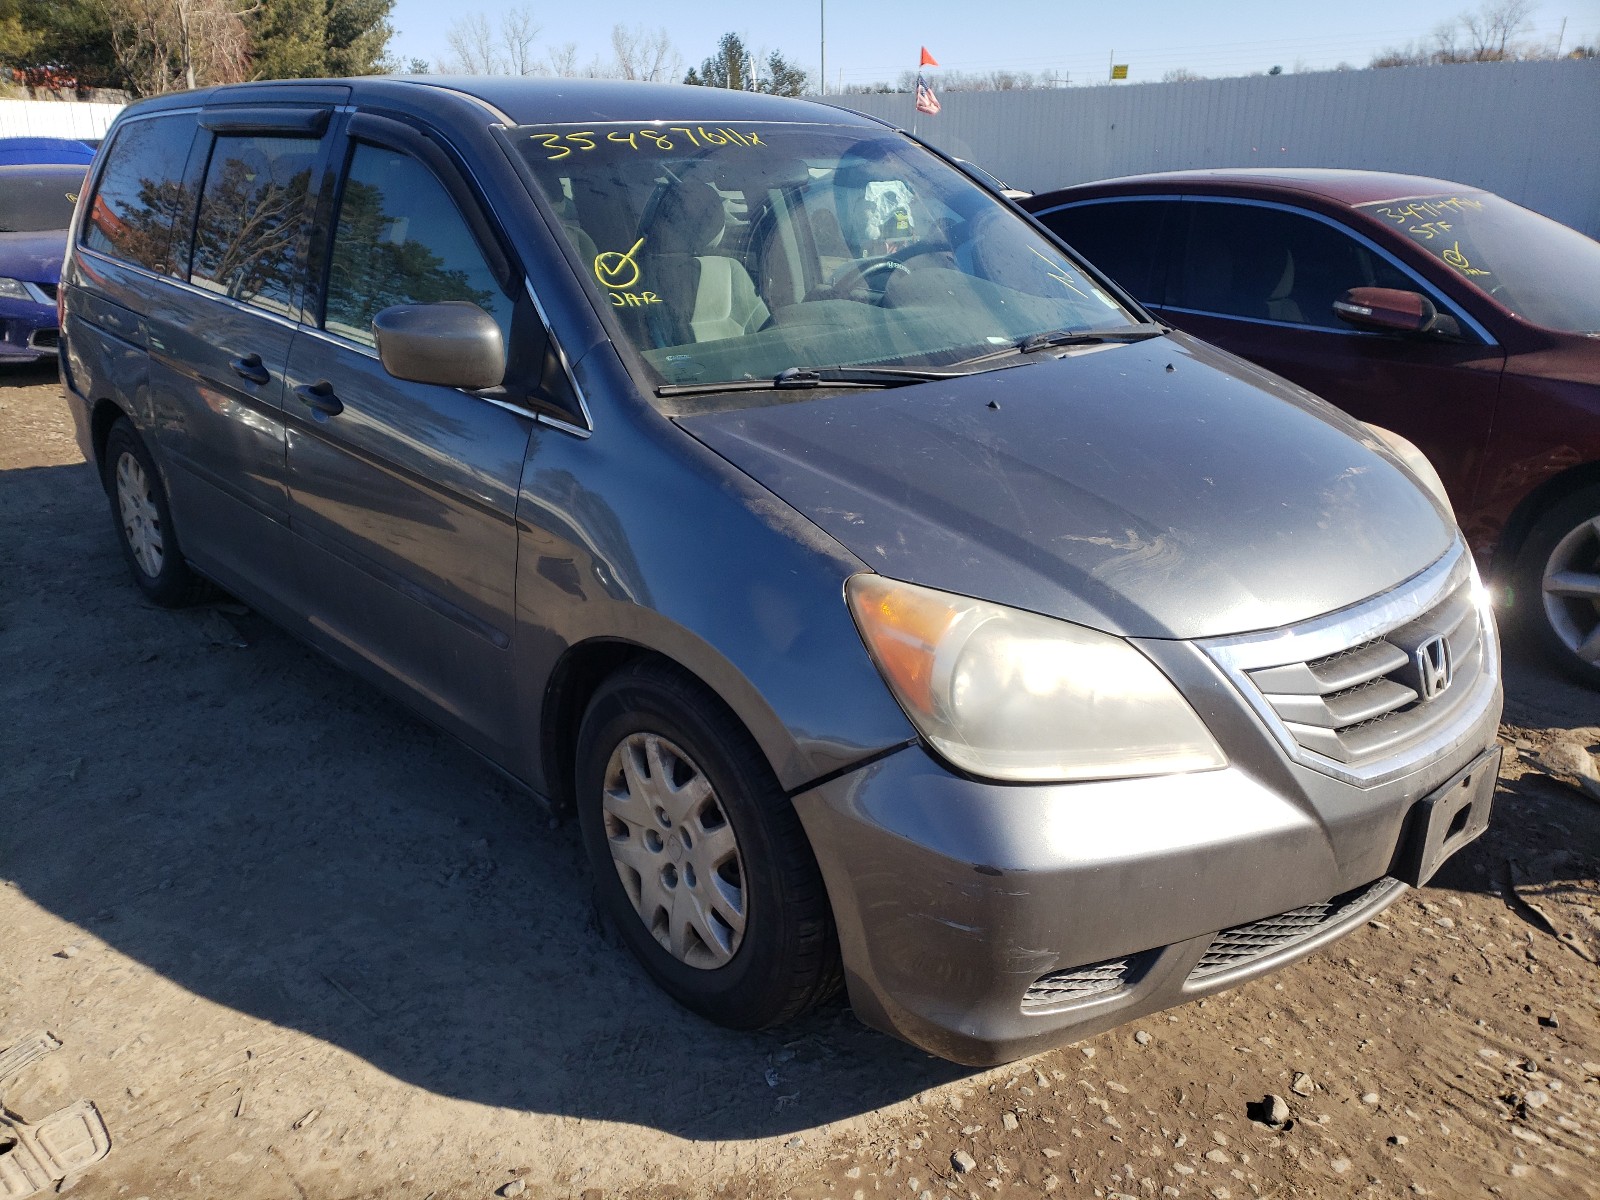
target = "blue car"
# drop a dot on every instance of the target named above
(35, 210)
(33, 151)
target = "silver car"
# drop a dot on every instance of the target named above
(895, 601)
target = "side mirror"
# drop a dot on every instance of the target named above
(1387, 309)
(454, 343)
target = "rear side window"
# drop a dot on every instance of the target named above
(401, 240)
(142, 192)
(254, 211)
(1247, 260)
(1123, 239)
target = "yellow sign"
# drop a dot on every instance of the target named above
(1119, 70)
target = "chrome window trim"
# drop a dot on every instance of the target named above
(587, 428)
(340, 341)
(1335, 631)
(185, 286)
(1440, 301)
(1105, 200)
(1205, 312)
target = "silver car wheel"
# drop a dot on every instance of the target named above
(675, 851)
(141, 520)
(1571, 588)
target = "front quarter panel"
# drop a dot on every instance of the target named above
(641, 535)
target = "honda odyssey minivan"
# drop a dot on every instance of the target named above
(898, 604)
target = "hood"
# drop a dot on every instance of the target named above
(35, 257)
(1154, 489)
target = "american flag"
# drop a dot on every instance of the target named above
(926, 101)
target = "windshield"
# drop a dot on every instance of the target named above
(737, 252)
(1538, 268)
(38, 199)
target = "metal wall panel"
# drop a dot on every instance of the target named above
(1528, 131)
(56, 118)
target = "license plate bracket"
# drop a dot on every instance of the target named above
(1449, 817)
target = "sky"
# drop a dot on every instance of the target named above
(874, 41)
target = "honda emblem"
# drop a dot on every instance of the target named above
(1434, 667)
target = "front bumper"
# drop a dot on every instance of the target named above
(985, 922)
(27, 331)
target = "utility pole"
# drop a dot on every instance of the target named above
(1561, 37)
(822, 38)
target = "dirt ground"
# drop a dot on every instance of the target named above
(295, 943)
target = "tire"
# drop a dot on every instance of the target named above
(688, 832)
(1558, 585)
(143, 521)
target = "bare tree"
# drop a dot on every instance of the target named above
(1181, 75)
(563, 60)
(646, 54)
(1493, 26)
(1484, 35)
(472, 47)
(166, 45)
(478, 47)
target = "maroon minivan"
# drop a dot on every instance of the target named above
(1459, 320)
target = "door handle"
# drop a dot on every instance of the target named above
(320, 397)
(249, 367)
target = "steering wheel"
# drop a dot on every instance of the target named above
(863, 275)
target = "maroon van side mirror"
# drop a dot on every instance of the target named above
(1389, 310)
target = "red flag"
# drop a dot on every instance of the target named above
(926, 101)
(927, 59)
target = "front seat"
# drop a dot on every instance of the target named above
(707, 294)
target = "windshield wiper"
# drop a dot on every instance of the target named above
(1055, 339)
(814, 377)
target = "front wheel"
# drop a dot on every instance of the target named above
(698, 857)
(1558, 586)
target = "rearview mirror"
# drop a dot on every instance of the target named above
(1387, 309)
(454, 343)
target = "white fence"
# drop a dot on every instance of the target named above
(56, 118)
(1529, 131)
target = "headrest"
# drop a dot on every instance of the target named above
(688, 218)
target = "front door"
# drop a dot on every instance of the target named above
(403, 495)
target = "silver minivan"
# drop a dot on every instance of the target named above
(897, 603)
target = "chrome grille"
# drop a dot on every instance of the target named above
(49, 289)
(1244, 944)
(1080, 983)
(1364, 701)
(1348, 692)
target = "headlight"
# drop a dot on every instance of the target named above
(1012, 695)
(1415, 459)
(13, 289)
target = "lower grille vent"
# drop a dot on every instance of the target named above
(1244, 944)
(1080, 983)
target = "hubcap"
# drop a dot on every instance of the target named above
(141, 521)
(674, 850)
(1572, 591)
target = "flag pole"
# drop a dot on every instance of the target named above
(914, 109)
